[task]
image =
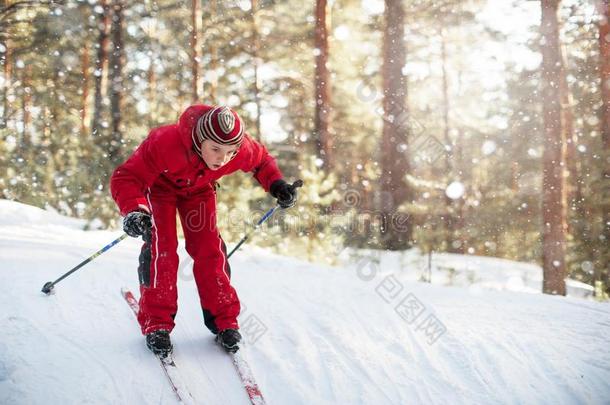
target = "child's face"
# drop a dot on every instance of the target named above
(216, 155)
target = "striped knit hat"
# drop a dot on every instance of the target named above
(221, 125)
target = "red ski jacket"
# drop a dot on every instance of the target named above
(166, 162)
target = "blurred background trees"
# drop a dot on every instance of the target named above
(478, 127)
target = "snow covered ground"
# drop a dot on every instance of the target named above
(474, 272)
(365, 333)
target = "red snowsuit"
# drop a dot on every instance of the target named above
(164, 174)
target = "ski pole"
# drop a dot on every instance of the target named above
(268, 214)
(48, 287)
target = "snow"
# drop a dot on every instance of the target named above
(488, 147)
(455, 190)
(362, 334)
(468, 271)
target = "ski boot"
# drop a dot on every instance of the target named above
(159, 343)
(229, 339)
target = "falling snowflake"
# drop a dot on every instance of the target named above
(455, 190)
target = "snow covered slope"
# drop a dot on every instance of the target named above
(471, 271)
(361, 334)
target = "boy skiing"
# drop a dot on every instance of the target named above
(176, 168)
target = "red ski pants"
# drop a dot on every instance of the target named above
(159, 263)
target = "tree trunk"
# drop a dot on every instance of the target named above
(152, 95)
(84, 112)
(195, 49)
(322, 87)
(553, 190)
(50, 188)
(26, 104)
(56, 147)
(116, 82)
(449, 218)
(151, 76)
(571, 169)
(7, 83)
(213, 55)
(458, 218)
(101, 68)
(256, 63)
(397, 229)
(604, 51)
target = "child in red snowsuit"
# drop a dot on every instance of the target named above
(176, 168)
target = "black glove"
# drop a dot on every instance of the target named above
(136, 223)
(285, 193)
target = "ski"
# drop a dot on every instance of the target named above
(179, 387)
(167, 363)
(247, 378)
